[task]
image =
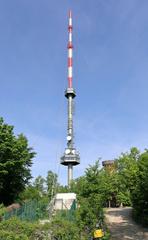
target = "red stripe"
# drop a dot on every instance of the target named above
(69, 82)
(70, 28)
(69, 62)
(70, 45)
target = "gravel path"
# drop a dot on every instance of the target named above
(122, 227)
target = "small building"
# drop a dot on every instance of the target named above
(64, 201)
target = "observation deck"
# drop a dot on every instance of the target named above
(70, 92)
(71, 156)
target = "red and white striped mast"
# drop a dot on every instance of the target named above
(71, 156)
(70, 51)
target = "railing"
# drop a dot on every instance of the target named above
(69, 214)
(31, 211)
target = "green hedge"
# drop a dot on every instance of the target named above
(15, 229)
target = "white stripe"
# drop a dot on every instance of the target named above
(70, 72)
(70, 21)
(70, 37)
(70, 52)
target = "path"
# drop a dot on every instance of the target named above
(122, 227)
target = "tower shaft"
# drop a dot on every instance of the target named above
(70, 173)
(70, 122)
(71, 156)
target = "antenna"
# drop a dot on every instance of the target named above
(71, 156)
(70, 50)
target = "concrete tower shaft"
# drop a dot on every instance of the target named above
(70, 121)
(71, 156)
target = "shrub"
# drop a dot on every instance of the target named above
(64, 230)
(14, 228)
(9, 235)
(2, 211)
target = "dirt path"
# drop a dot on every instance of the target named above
(122, 227)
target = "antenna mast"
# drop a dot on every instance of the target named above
(71, 156)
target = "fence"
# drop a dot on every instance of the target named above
(69, 214)
(34, 210)
(31, 211)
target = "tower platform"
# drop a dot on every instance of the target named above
(70, 157)
(70, 92)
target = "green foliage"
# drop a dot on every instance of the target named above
(6, 235)
(16, 230)
(39, 185)
(41, 188)
(140, 192)
(30, 211)
(89, 198)
(106, 236)
(124, 198)
(2, 210)
(51, 182)
(15, 162)
(63, 189)
(100, 186)
(64, 230)
(59, 228)
(30, 193)
(127, 169)
(116, 186)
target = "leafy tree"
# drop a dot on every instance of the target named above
(51, 182)
(89, 198)
(30, 193)
(127, 168)
(39, 185)
(15, 162)
(140, 192)
(63, 189)
(109, 187)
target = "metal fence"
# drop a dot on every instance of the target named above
(34, 210)
(69, 214)
(31, 211)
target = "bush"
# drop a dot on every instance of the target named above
(2, 211)
(6, 235)
(15, 229)
(106, 236)
(140, 192)
(63, 229)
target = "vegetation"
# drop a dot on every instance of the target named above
(63, 229)
(15, 162)
(16, 230)
(122, 184)
(140, 192)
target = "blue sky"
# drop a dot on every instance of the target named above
(110, 40)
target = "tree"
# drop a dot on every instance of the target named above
(127, 168)
(62, 189)
(39, 185)
(15, 162)
(30, 193)
(51, 182)
(89, 197)
(140, 192)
